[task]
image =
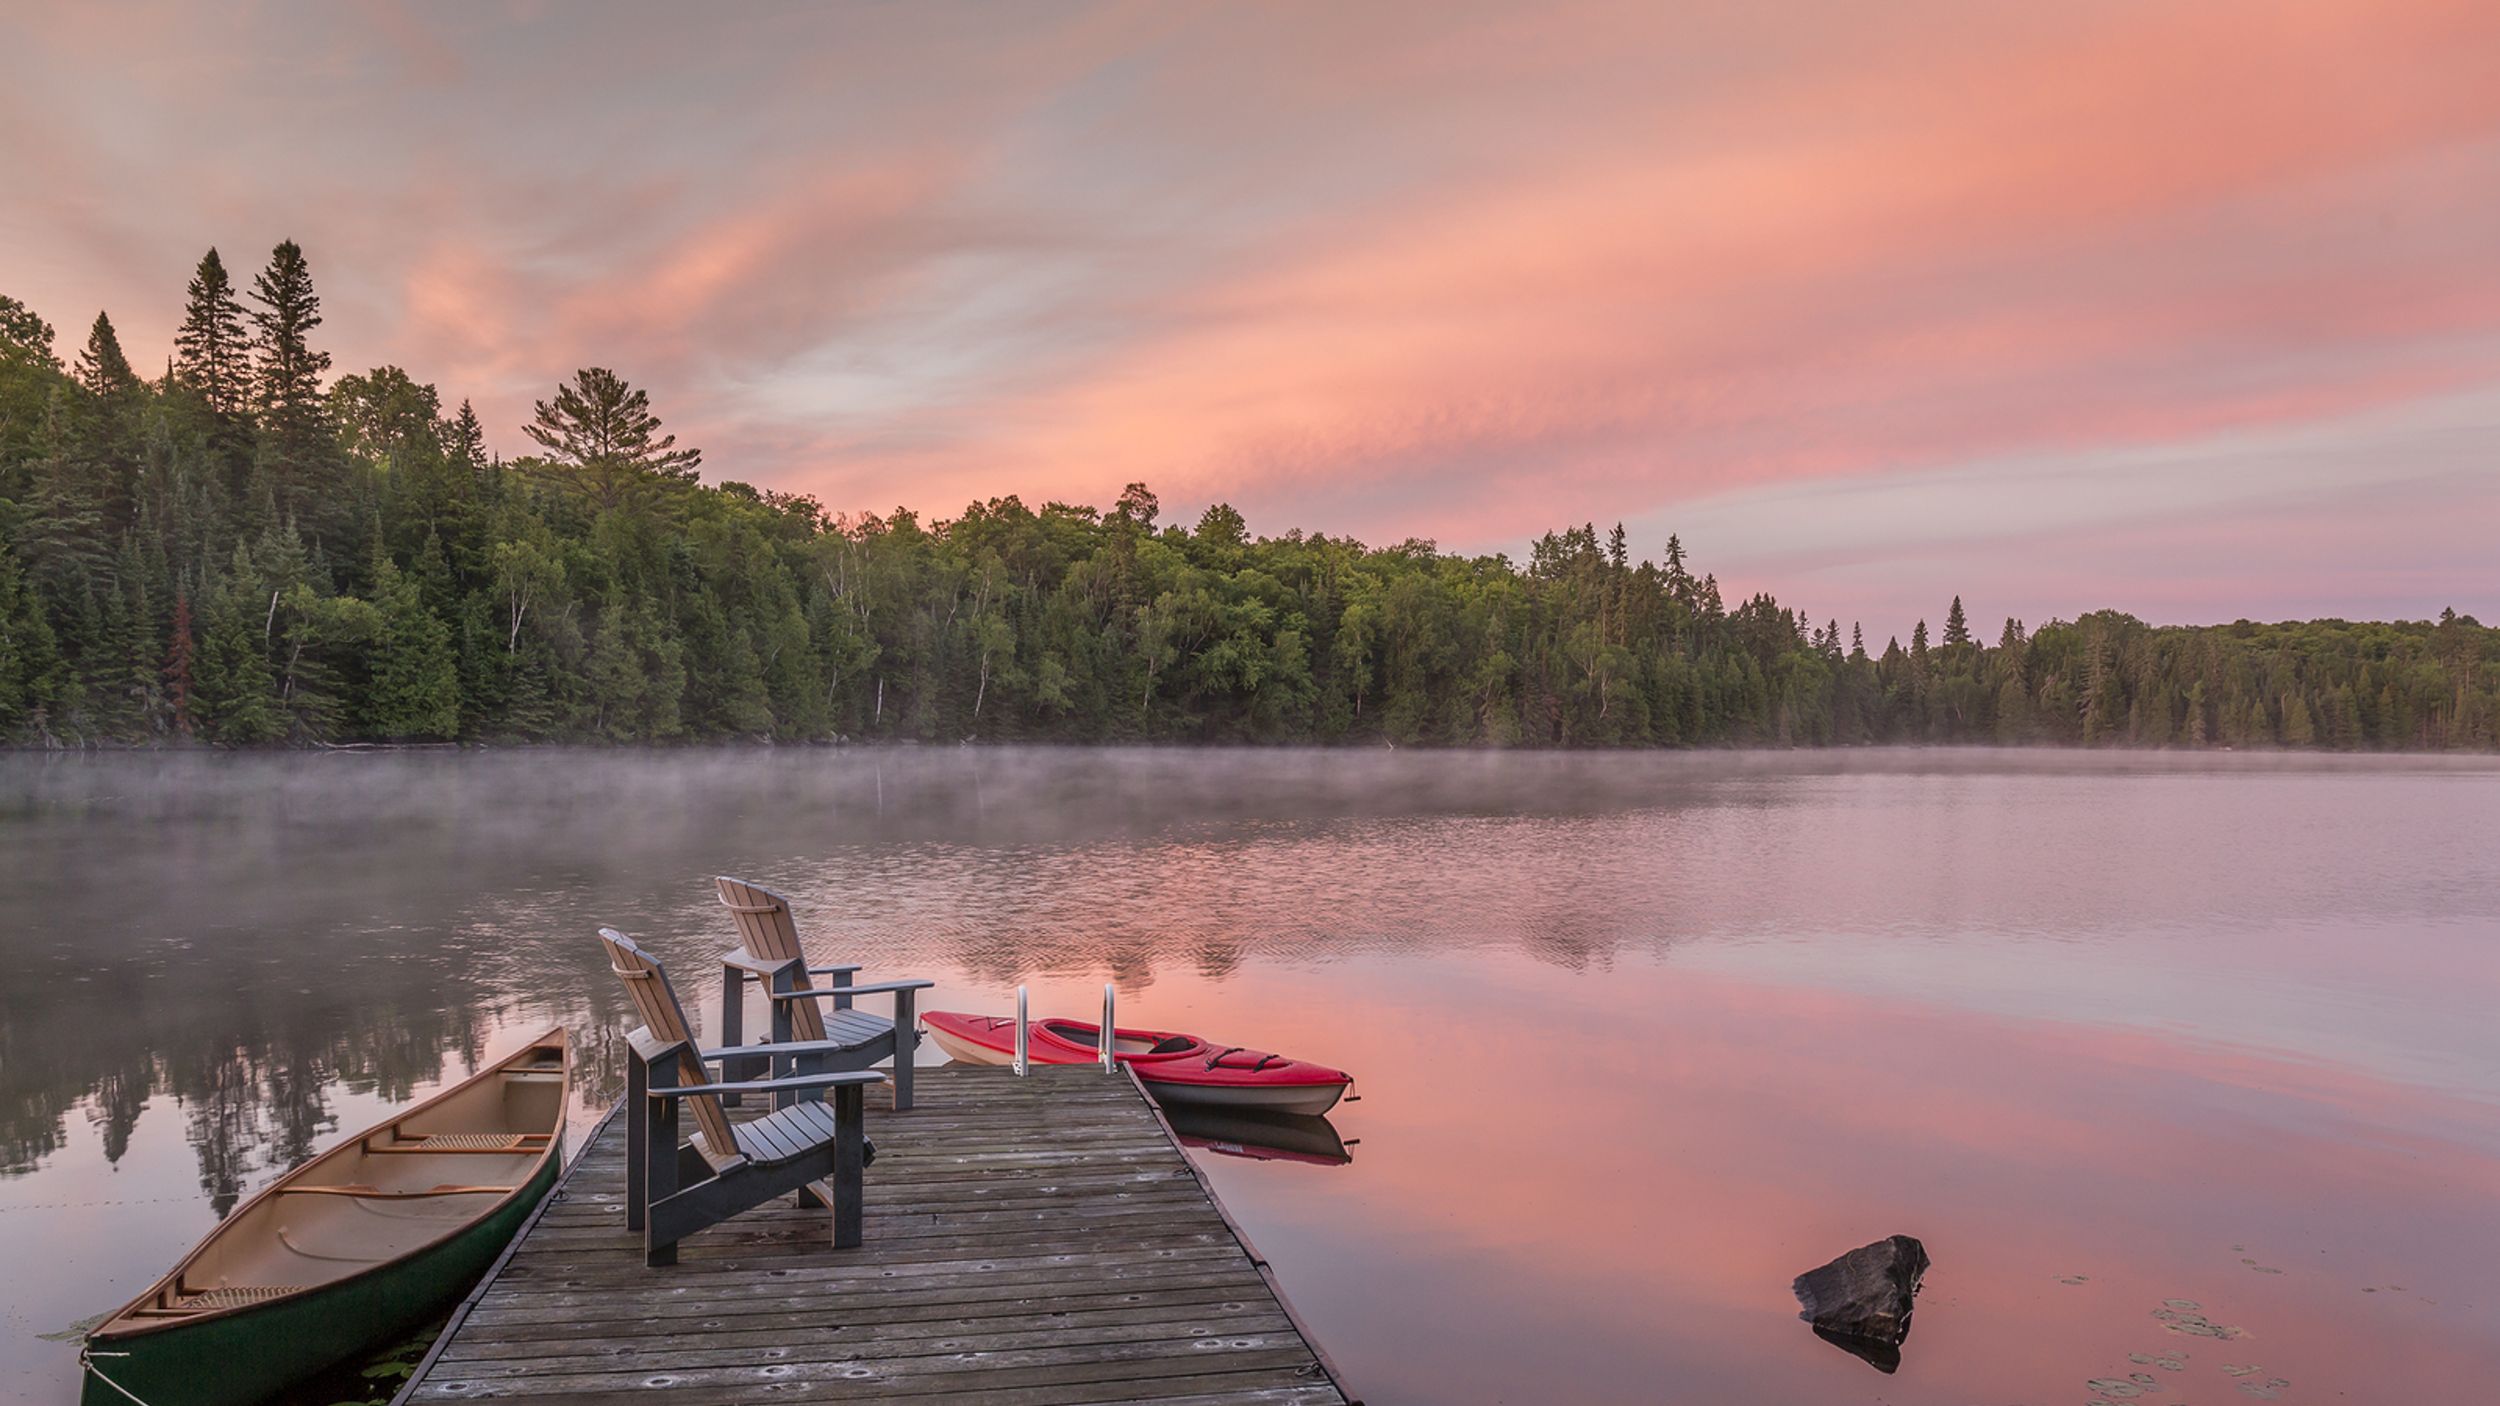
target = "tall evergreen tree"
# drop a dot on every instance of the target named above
(1956, 625)
(212, 350)
(287, 367)
(465, 440)
(300, 473)
(102, 369)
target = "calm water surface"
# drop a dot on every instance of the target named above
(1639, 1037)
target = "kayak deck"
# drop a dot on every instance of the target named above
(1176, 1067)
(1039, 1239)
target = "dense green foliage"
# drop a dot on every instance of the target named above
(239, 554)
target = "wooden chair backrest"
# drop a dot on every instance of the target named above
(646, 981)
(766, 930)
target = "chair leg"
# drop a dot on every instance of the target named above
(733, 1020)
(784, 1031)
(850, 1110)
(809, 1197)
(659, 1154)
(637, 1138)
(906, 1039)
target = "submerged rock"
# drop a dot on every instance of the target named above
(1865, 1297)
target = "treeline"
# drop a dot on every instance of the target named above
(242, 551)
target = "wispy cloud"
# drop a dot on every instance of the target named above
(1457, 272)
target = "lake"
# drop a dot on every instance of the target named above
(2184, 1069)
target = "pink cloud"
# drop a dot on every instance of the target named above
(1384, 271)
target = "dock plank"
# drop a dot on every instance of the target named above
(1040, 1241)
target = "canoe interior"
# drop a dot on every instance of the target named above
(375, 1199)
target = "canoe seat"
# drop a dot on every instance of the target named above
(230, 1296)
(466, 1142)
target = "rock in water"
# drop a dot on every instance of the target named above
(1866, 1293)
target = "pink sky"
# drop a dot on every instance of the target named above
(2188, 310)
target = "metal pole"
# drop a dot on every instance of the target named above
(1024, 1037)
(1109, 1061)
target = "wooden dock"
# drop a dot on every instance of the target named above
(1030, 1242)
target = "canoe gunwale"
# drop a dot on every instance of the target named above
(126, 1325)
(486, 1281)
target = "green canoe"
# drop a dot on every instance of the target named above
(348, 1252)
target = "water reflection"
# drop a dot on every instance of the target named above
(1308, 1138)
(1640, 1035)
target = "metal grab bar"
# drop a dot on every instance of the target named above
(1024, 1037)
(1110, 1061)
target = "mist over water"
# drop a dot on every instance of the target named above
(1641, 1035)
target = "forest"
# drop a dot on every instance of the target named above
(245, 551)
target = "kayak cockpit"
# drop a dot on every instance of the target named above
(1127, 1044)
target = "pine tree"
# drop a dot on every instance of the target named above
(234, 697)
(178, 665)
(1956, 626)
(300, 468)
(212, 355)
(102, 369)
(288, 369)
(602, 440)
(32, 672)
(414, 688)
(464, 442)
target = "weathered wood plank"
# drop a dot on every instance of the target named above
(1029, 1242)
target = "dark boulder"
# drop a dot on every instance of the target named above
(1883, 1357)
(1866, 1296)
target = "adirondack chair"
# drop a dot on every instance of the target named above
(768, 953)
(674, 1188)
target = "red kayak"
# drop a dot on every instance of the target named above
(1176, 1068)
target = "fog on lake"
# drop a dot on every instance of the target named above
(1639, 1036)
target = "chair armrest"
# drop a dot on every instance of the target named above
(789, 1047)
(752, 965)
(874, 988)
(650, 1048)
(766, 1086)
